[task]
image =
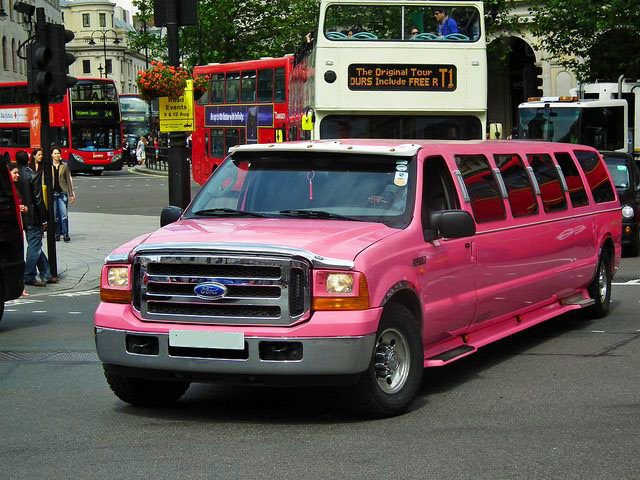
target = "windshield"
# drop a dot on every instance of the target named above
(93, 92)
(96, 139)
(133, 105)
(402, 23)
(136, 129)
(553, 125)
(358, 187)
(619, 173)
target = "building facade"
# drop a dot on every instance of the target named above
(14, 30)
(101, 43)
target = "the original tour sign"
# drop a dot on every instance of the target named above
(438, 78)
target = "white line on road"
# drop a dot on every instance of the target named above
(76, 294)
(598, 331)
(11, 310)
(39, 311)
(75, 313)
(22, 301)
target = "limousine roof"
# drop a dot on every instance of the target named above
(406, 148)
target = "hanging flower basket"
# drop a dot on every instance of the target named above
(200, 85)
(161, 81)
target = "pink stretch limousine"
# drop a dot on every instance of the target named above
(358, 263)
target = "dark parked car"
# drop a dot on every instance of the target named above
(11, 245)
(626, 177)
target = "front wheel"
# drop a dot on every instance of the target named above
(145, 393)
(600, 289)
(395, 371)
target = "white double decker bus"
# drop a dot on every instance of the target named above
(407, 69)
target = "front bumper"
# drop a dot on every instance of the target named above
(323, 356)
(629, 232)
(76, 166)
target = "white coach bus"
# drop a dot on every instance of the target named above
(391, 69)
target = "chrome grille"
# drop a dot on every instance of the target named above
(261, 290)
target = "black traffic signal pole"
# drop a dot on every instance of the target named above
(45, 143)
(179, 184)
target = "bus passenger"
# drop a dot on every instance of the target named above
(414, 32)
(446, 24)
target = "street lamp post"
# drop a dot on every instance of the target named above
(104, 34)
(143, 31)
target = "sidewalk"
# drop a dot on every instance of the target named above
(93, 237)
(148, 171)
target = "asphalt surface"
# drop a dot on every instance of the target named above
(560, 400)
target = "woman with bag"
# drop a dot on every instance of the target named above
(141, 154)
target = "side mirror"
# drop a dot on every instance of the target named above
(450, 224)
(170, 215)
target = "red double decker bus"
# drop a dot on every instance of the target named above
(246, 103)
(85, 124)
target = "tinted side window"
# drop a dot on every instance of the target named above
(553, 198)
(217, 142)
(597, 177)
(522, 198)
(217, 88)
(249, 86)
(486, 202)
(280, 89)
(577, 193)
(265, 85)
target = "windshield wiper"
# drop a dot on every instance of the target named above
(227, 212)
(317, 214)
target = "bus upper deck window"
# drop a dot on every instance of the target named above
(265, 85)
(249, 86)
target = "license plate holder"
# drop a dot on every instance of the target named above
(97, 168)
(200, 339)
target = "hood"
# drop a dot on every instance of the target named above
(328, 238)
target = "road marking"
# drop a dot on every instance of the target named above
(598, 331)
(75, 313)
(11, 310)
(39, 311)
(22, 301)
(76, 294)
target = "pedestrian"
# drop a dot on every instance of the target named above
(446, 25)
(15, 176)
(34, 221)
(35, 164)
(63, 193)
(141, 153)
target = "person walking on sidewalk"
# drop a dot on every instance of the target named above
(63, 192)
(34, 221)
(141, 154)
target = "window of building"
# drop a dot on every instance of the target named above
(108, 67)
(486, 201)
(103, 20)
(597, 176)
(14, 58)
(5, 63)
(86, 66)
(577, 192)
(522, 198)
(86, 20)
(551, 191)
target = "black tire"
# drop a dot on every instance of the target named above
(633, 250)
(600, 289)
(375, 395)
(145, 393)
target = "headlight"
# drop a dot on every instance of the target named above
(77, 158)
(118, 276)
(627, 211)
(339, 283)
(116, 158)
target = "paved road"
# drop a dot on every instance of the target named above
(557, 401)
(123, 193)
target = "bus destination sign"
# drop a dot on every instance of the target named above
(106, 112)
(390, 76)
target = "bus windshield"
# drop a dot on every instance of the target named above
(93, 92)
(402, 22)
(133, 105)
(96, 139)
(316, 186)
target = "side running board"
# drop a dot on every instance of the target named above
(453, 353)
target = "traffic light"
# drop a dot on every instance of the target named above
(57, 38)
(532, 81)
(39, 69)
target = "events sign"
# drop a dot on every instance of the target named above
(417, 77)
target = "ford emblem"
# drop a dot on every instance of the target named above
(210, 290)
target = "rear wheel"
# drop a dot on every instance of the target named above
(600, 288)
(395, 371)
(145, 393)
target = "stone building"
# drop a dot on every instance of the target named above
(14, 30)
(101, 43)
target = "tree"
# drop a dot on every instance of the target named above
(595, 40)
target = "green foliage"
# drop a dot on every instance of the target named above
(595, 40)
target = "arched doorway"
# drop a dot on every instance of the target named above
(509, 58)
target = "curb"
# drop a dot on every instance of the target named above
(147, 171)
